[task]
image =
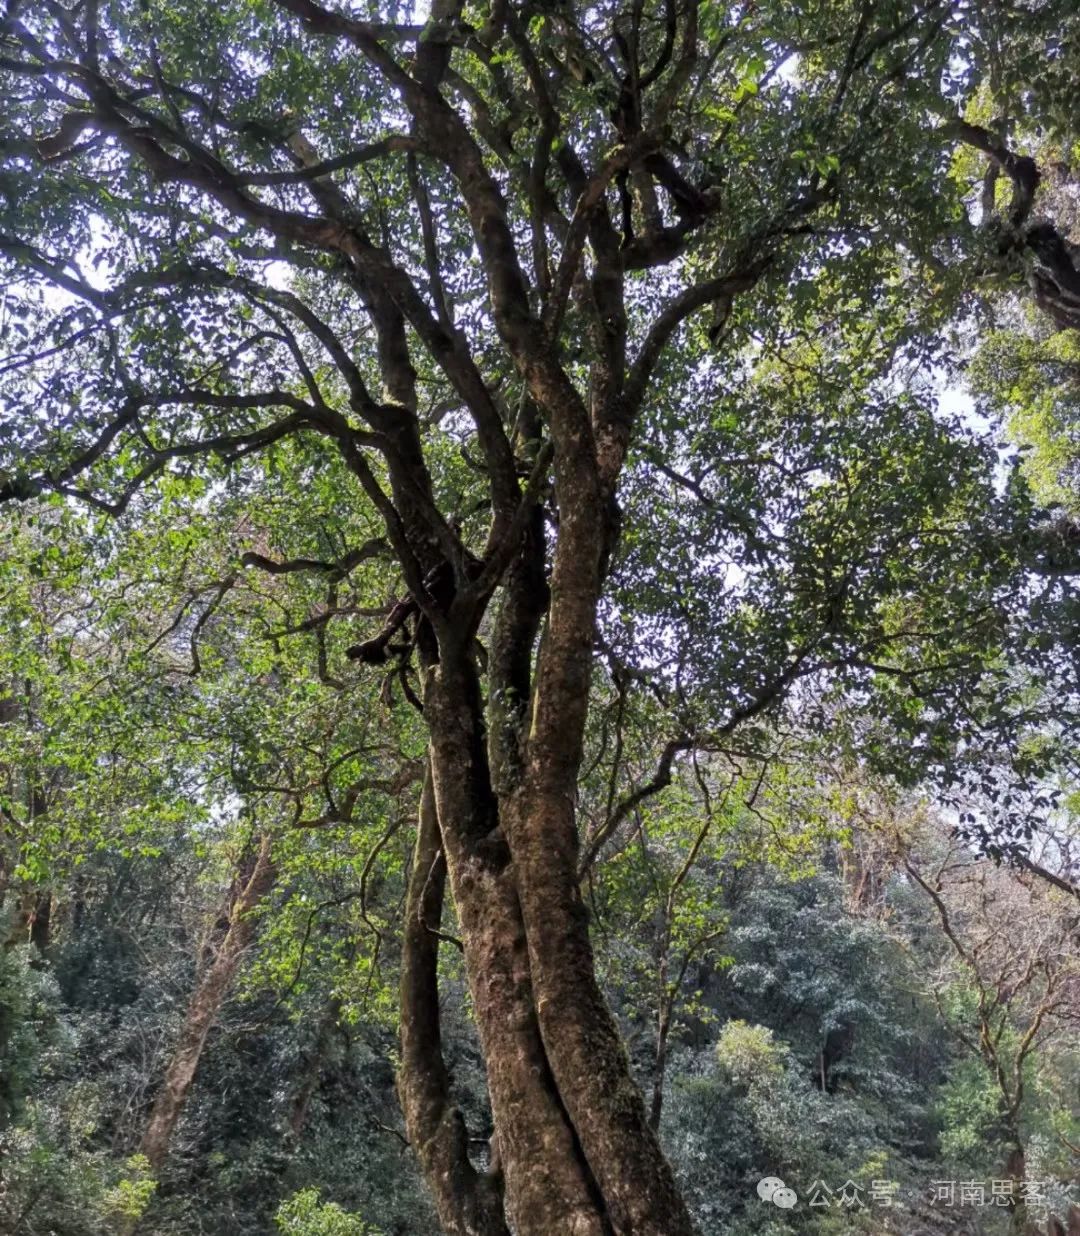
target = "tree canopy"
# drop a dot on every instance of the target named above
(434, 439)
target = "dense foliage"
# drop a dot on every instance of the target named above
(841, 976)
(538, 676)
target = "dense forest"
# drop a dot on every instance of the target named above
(539, 679)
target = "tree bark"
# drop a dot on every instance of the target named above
(587, 1055)
(575, 1144)
(588, 1059)
(250, 887)
(548, 1182)
(468, 1202)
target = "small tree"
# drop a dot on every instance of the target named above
(1009, 990)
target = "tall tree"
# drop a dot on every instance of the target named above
(457, 265)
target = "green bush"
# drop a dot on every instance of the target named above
(304, 1215)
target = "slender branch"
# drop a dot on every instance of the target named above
(677, 310)
(337, 570)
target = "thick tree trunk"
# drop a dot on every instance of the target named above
(583, 1044)
(468, 1202)
(586, 1053)
(548, 1184)
(1016, 1174)
(210, 992)
(574, 1140)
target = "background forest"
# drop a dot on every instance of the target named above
(484, 479)
(815, 981)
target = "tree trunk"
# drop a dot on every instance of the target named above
(574, 1142)
(575, 1147)
(1016, 1174)
(583, 1045)
(204, 1006)
(587, 1055)
(548, 1184)
(469, 1203)
(663, 1031)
